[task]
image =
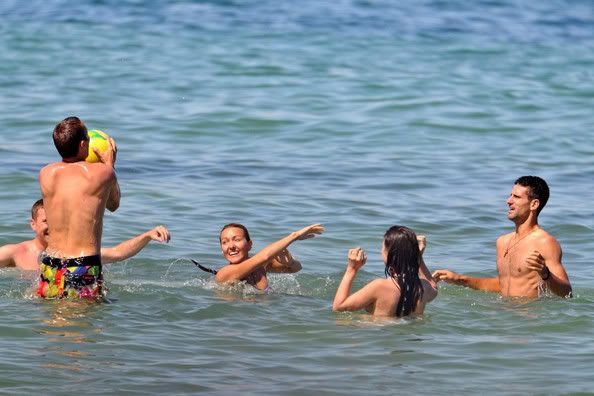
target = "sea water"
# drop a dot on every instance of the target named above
(355, 114)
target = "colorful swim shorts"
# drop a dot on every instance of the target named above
(70, 277)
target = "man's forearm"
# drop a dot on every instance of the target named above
(559, 286)
(486, 284)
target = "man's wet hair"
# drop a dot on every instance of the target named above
(68, 134)
(537, 189)
(35, 208)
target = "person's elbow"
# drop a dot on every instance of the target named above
(113, 202)
(432, 294)
(340, 306)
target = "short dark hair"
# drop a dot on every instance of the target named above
(236, 225)
(68, 134)
(537, 189)
(35, 208)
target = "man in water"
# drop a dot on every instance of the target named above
(75, 194)
(24, 255)
(527, 258)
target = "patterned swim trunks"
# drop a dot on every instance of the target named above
(79, 277)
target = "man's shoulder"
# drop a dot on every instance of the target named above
(544, 237)
(505, 238)
(49, 167)
(100, 169)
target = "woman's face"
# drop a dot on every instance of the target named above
(234, 246)
(384, 252)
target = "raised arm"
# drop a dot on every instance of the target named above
(424, 274)
(239, 271)
(362, 299)
(113, 201)
(284, 262)
(108, 157)
(131, 247)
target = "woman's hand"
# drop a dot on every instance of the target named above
(356, 259)
(310, 231)
(422, 240)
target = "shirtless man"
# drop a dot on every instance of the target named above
(75, 195)
(526, 258)
(24, 255)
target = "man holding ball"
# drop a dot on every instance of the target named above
(75, 195)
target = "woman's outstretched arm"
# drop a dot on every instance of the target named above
(234, 272)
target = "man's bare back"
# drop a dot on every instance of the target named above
(75, 196)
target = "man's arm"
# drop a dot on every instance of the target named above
(485, 284)
(108, 157)
(131, 247)
(113, 201)
(7, 253)
(547, 262)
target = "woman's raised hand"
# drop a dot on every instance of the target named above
(422, 240)
(310, 231)
(357, 258)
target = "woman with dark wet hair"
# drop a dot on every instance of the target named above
(408, 286)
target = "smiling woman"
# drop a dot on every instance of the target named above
(236, 245)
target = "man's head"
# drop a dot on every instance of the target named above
(537, 189)
(38, 220)
(71, 139)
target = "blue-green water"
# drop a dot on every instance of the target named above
(356, 114)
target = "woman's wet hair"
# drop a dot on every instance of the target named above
(236, 225)
(402, 265)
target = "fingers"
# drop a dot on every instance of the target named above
(439, 275)
(113, 145)
(357, 258)
(536, 262)
(114, 148)
(310, 231)
(316, 228)
(422, 241)
(161, 234)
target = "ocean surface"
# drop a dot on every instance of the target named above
(355, 114)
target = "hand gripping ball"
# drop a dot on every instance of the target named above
(99, 140)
